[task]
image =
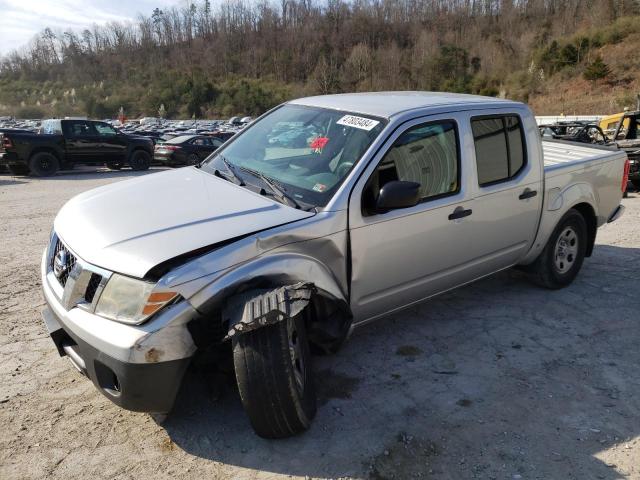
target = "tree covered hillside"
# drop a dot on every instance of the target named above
(242, 57)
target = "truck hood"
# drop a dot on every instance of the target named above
(131, 226)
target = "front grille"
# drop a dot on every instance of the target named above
(92, 287)
(81, 282)
(62, 262)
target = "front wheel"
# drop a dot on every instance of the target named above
(560, 261)
(139, 160)
(273, 370)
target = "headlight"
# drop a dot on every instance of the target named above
(130, 300)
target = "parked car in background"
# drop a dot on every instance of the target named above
(65, 143)
(223, 135)
(273, 247)
(185, 149)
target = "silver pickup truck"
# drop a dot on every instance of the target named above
(326, 213)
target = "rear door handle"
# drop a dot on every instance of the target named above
(528, 193)
(460, 212)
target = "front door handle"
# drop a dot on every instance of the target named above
(460, 212)
(528, 193)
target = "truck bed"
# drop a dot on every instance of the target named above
(559, 155)
(571, 168)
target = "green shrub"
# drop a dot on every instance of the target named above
(597, 70)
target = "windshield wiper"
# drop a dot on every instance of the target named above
(276, 191)
(231, 169)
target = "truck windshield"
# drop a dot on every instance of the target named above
(306, 152)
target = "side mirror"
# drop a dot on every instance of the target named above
(398, 194)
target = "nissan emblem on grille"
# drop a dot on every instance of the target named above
(60, 264)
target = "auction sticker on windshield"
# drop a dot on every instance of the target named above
(357, 122)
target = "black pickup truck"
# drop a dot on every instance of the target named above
(61, 144)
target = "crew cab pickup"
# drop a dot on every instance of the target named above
(65, 143)
(276, 246)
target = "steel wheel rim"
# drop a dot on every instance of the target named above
(566, 250)
(295, 353)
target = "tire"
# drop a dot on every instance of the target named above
(276, 385)
(139, 160)
(43, 164)
(560, 261)
(193, 159)
(18, 169)
(113, 166)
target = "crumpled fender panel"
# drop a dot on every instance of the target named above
(258, 308)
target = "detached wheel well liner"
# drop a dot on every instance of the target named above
(327, 327)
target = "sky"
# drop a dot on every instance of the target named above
(20, 20)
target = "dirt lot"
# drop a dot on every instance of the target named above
(499, 380)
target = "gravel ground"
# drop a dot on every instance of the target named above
(499, 379)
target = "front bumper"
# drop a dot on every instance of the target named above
(138, 367)
(141, 387)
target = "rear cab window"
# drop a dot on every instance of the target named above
(499, 146)
(78, 128)
(51, 127)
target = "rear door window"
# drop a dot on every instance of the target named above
(79, 128)
(500, 149)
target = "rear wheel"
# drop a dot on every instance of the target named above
(562, 257)
(43, 164)
(273, 370)
(193, 159)
(139, 160)
(18, 169)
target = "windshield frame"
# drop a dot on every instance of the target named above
(211, 164)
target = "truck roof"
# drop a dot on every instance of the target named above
(388, 104)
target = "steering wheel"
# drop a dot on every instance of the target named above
(343, 169)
